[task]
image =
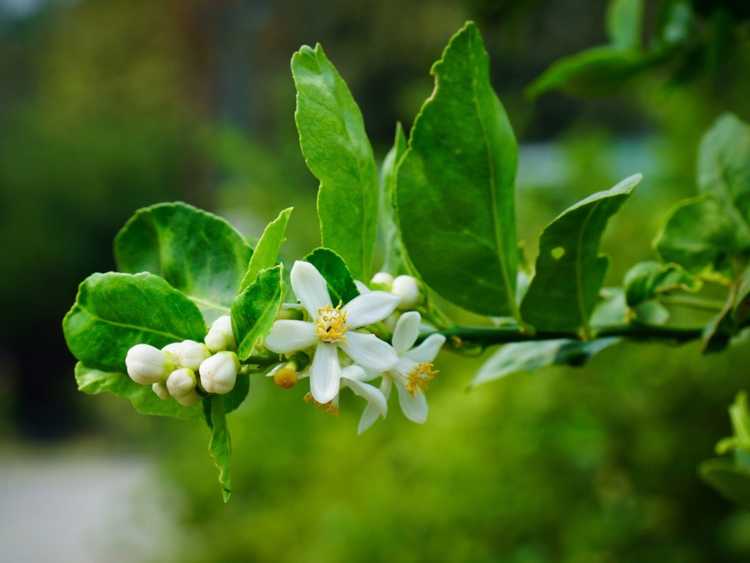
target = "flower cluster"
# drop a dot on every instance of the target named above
(171, 371)
(344, 354)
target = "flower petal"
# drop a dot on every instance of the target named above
(377, 405)
(289, 336)
(413, 406)
(325, 373)
(361, 287)
(406, 332)
(354, 372)
(369, 351)
(371, 412)
(427, 350)
(369, 308)
(310, 287)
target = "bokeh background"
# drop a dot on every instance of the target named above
(110, 105)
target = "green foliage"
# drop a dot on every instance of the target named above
(624, 23)
(196, 252)
(255, 309)
(392, 250)
(569, 269)
(530, 356)
(113, 312)
(336, 149)
(455, 192)
(267, 250)
(647, 280)
(220, 444)
(93, 381)
(333, 268)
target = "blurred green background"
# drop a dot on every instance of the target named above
(109, 105)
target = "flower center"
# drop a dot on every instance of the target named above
(419, 378)
(331, 324)
(329, 408)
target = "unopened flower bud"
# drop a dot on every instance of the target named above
(406, 288)
(219, 372)
(147, 365)
(190, 354)
(382, 280)
(161, 391)
(285, 375)
(220, 336)
(189, 399)
(181, 382)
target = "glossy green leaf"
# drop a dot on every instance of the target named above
(267, 250)
(196, 252)
(391, 240)
(611, 309)
(93, 381)
(220, 445)
(530, 356)
(731, 481)
(697, 235)
(569, 269)
(255, 309)
(234, 399)
(624, 19)
(340, 282)
(454, 194)
(337, 151)
(647, 280)
(733, 317)
(114, 312)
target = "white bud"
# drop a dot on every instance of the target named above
(406, 288)
(220, 336)
(161, 391)
(147, 365)
(190, 354)
(173, 349)
(181, 382)
(382, 280)
(189, 399)
(219, 372)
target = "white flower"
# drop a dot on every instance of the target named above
(411, 374)
(354, 377)
(161, 391)
(190, 354)
(219, 372)
(188, 399)
(148, 365)
(406, 288)
(331, 329)
(220, 336)
(181, 382)
(382, 280)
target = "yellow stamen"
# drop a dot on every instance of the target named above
(329, 407)
(331, 324)
(419, 378)
(286, 376)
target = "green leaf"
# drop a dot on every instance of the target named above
(220, 445)
(697, 235)
(529, 356)
(724, 171)
(114, 312)
(732, 481)
(255, 309)
(624, 23)
(611, 309)
(454, 193)
(337, 151)
(733, 317)
(391, 240)
(237, 396)
(333, 269)
(596, 72)
(569, 269)
(267, 250)
(196, 252)
(93, 381)
(647, 280)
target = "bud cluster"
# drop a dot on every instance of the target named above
(406, 288)
(171, 371)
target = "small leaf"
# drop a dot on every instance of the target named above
(733, 317)
(144, 400)
(220, 445)
(454, 193)
(529, 356)
(569, 269)
(237, 396)
(391, 240)
(196, 252)
(267, 250)
(333, 269)
(697, 235)
(624, 23)
(611, 309)
(255, 309)
(647, 280)
(732, 481)
(337, 151)
(114, 312)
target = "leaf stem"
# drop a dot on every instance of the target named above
(693, 302)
